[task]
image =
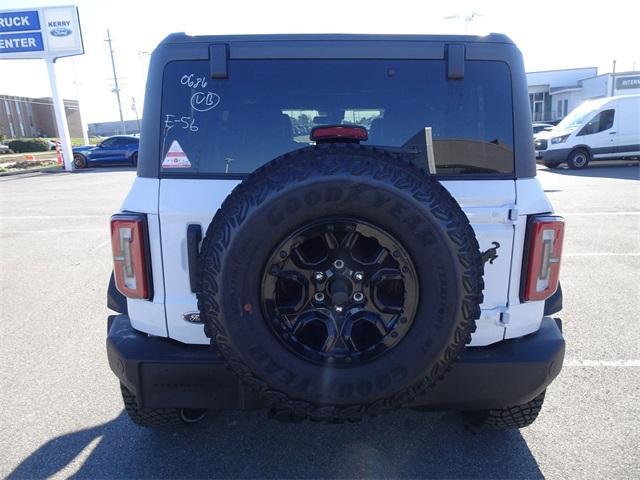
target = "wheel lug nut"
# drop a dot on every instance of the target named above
(358, 276)
(358, 297)
(318, 297)
(338, 265)
(319, 276)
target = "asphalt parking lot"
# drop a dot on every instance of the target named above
(62, 413)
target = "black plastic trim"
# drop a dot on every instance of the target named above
(164, 373)
(194, 237)
(116, 301)
(455, 61)
(218, 59)
(553, 304)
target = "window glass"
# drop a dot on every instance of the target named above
(601, 122)
(577, 116)
(268, 107)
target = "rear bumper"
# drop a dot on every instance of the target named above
(165, 373)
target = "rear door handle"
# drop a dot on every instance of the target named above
(611, 133)
(194, 236)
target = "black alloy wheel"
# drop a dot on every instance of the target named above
(340, 291)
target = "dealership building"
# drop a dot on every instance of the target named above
(34, 117)
(107, 129)
(554, 93)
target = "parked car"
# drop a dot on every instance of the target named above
(5, 148)
(118, 150)
(602, 129)
(335, 279)
(53, 144)
(539, 127)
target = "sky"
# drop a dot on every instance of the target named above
(551, 34)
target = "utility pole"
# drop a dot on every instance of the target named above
(116, 88)
(135, 110)
(613, 78)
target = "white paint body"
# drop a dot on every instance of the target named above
(497, 210)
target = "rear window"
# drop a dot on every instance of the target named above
(265, 108)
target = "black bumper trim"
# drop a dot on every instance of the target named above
(115, 300)
(165, 373)
(558, 155)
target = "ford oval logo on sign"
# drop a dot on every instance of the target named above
(60, 31)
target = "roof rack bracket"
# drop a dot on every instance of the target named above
(218, 60)
(455, 61)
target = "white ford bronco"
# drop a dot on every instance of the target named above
(331, 227)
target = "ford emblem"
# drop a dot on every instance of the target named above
(60, 31)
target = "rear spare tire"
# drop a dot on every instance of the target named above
(339, 281)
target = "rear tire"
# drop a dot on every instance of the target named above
(134, 159)
(158, 417)
(79, 161)
(578, 159)
(519, 416)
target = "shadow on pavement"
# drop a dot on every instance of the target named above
(404, 444)
(620, 170)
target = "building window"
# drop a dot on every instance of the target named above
(537, 106)
(559, 113)
(566, 107)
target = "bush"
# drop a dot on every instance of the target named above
(28, 145)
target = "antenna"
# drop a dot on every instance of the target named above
(466, 19)
(116, 88)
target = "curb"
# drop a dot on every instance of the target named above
(54, 169)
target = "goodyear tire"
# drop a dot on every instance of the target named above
(340, 281)
(158, 417)
(518, 416)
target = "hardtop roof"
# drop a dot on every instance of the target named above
(182, 37)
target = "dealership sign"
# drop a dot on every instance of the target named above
(49, 33)
(623, 83)
(46, 33)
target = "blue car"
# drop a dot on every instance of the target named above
(118, 150)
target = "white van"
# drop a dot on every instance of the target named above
(602, 129)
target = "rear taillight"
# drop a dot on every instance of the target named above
(129, 243)
(543, 249)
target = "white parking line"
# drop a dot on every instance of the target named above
(596, 214)
(40, 217)
(15, 232)
(601, 254)
(601, 363)
(103, 244)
